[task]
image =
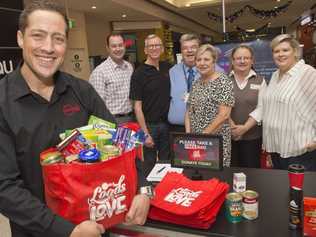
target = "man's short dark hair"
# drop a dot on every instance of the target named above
(112, 35)
(46, 5)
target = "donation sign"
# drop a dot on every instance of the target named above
(197, 151)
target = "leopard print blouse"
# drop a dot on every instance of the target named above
(203, 104)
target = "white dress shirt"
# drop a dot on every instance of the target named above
(289, 111)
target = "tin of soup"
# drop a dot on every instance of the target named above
(250, 204)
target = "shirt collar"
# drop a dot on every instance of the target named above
(186, 68)
(115, 65)
(251, 74)
(296, 68)
(20, 87)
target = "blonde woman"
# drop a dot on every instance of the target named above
(210, 101)
(289, 108)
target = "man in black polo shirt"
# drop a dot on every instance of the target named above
(150, 91)
(37, 103)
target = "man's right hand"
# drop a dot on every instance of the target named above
(149, 142)
(87, 229)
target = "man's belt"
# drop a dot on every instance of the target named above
(123, 115)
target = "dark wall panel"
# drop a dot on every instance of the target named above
(8, 26)
(14, 4)
(10, 54)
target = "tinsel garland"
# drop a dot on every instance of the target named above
(256, 12)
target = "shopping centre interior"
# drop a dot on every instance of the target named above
(92, 20)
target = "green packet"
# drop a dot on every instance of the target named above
(93, 123)
(99, 123)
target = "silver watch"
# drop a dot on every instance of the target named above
(148, 191)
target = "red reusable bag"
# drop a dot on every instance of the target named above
(182, 196)
(265, 160)
(182, 201)
(101, 191)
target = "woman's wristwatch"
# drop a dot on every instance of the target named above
(148, 191)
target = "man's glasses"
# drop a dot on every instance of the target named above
(193, 48)
(153, 46)
(240, 59)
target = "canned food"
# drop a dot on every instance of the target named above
(71, 158)
(234, 207)
(250, 204)
(89, 156)
(51, 156)
(108, 151)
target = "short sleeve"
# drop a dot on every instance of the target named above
(224, 92)
(136, 86)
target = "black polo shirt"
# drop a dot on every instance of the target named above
(152, 87)
(28, 125)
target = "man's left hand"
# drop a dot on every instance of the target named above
(138, 211)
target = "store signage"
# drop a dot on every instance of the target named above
(197, 151)
(71, 23)
(9, 59)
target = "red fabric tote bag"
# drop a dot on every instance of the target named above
(100, 191)
(191, 203)
(182, 196)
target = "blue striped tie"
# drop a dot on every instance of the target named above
(190, 79)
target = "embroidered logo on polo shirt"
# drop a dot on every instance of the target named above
(70, 109)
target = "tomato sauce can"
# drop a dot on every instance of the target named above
(234, 207)
(250, 205)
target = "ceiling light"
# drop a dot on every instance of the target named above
(306, 20)
(188, 5)
(278, 0)
(124, 15)
(94, 7)
(250, 30)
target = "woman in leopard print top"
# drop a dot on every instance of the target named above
(210, 101)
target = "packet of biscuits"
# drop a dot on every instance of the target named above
(309, 216)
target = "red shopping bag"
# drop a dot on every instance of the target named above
(100, 191)
(182, 196)
(265, 160)
(182, 201)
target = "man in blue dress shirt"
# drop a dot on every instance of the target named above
(182, 75)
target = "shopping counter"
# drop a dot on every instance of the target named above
(273, 189)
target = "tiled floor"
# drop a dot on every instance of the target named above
(4, 227)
